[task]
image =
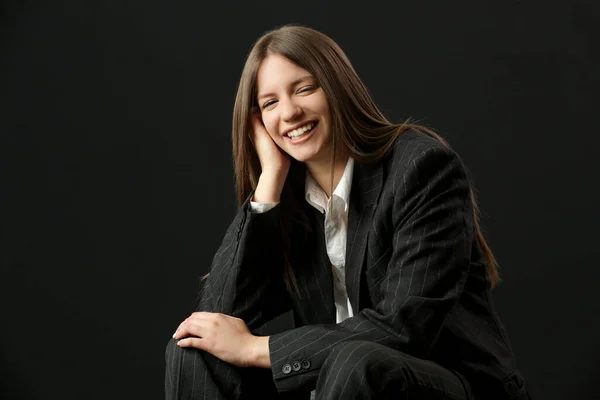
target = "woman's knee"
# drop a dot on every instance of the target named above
(173, 352)
(184, 371)
(171, 349)
(178, 359)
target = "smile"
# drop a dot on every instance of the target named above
(299, 133)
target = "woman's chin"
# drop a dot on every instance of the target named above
(305, 156)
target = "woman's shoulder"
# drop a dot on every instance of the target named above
(419, 157)
(414, 144)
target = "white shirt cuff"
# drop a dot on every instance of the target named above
(259, 208)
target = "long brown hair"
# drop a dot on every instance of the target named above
(365, 133)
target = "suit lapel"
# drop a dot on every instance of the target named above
(367, 182)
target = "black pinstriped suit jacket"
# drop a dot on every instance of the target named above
(414, 274)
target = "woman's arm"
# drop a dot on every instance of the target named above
(246, 276)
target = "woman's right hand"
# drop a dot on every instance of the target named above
(274, 163)
(272, 158)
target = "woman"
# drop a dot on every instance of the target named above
(365, 229)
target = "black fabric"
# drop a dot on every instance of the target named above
(415, 276)
(353, 370)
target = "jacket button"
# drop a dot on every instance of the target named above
(305, 364)
(296, 366)
(287, 368)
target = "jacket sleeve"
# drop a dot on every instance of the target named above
(433, 233)
(246, 276)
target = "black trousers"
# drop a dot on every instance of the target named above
(353, 370)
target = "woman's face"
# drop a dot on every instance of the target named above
(294, 110)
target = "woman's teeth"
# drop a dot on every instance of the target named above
(297, 133)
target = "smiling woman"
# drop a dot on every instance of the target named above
(295, 112)
(367, 230)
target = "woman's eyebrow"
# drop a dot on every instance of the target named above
(294, 83)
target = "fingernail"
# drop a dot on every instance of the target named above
(174, 335)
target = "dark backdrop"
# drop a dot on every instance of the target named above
(117, 185)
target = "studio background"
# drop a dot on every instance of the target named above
(116, 178)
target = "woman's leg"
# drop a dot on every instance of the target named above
(365, 370)
(195, 374)
(192, 374)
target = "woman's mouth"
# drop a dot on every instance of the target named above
(300, 133)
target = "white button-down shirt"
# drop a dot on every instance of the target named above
(336, 230)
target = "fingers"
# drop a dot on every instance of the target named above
(259, 130)
(197, 324)
(197, 343)
(221, 335)
(190, 328)
(257, 119)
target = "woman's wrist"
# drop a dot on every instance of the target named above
(270, 185)
(259, 352)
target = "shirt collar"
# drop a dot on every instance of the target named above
(316, 197)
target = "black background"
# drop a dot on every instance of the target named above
(117, 182)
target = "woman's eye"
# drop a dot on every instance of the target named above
(306, 89)
(268, 103)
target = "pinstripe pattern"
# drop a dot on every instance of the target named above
(414, 274)
(406, 312)
(367, 370)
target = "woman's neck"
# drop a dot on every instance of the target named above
(321, 172)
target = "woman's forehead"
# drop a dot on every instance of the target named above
(276, 70)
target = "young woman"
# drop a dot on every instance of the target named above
(365, 229)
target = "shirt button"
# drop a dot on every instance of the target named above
(305, 364)
(287, 368)
(296, 366)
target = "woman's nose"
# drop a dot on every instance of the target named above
(290, 111)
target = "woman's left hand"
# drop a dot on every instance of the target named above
(227, 338)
